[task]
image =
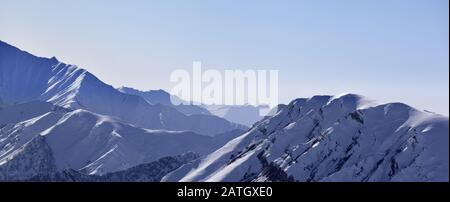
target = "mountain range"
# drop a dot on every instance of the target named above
(59, 122)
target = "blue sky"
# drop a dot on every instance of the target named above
(390, 50)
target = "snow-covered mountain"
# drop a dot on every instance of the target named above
(325, 138)
(60, 123)
(25, 77)
(57, 138)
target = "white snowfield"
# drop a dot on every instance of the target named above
(324, 138)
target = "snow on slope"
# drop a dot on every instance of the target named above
(24, 77)
(92, 143)
(324, 138)
(25, 111)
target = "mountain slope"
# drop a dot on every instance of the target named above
(24, 77)
(31, 159)
(324, 138)
(92, 143)
(148, 172)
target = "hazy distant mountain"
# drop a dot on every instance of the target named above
(164, 98)
(242, 114)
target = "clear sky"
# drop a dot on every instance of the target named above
(390, 50)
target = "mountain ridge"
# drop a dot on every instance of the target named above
(93, 143)
(326, 138)
(25, 77)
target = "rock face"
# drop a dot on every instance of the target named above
(149, 172)
(33, 158)
(324, 138)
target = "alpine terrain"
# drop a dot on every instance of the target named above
(59, 122)
(325, 138)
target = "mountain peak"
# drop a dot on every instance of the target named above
(54, 59)
(25, 77)
(327, 138)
